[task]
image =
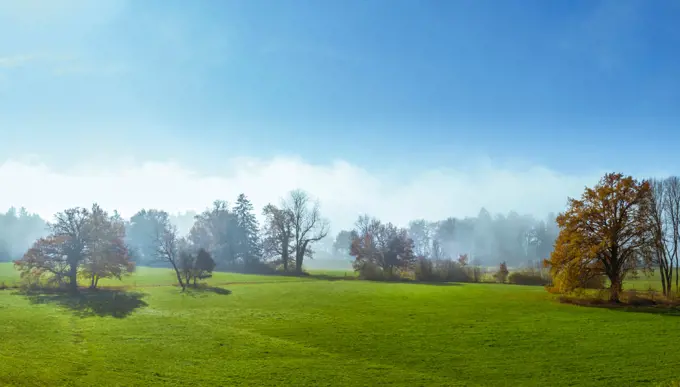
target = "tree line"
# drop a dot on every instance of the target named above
(92, 244)
(89, 243)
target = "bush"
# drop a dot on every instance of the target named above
(533, 277)
(428, 270)
(475, 273)
(370, 271)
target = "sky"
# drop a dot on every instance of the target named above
(395, 108)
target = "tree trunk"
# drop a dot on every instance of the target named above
(284, 255)
(92, 285)
(615, 290)
(73, 277)
(179, 276)
(300, 257)
(96, 282)
(663, 282)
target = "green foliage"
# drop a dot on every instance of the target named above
(248, 246)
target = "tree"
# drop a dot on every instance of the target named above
(72, 228)
(603, 233)
(307, 225)
(167, 244)
(463, 260)
(502, 273)
(108, 255)
(383, 245)
(278, 234)
(216, 230)
(342, 243)
(436, 252)
(82, 242)
(196, 266)
(248, 248)
(664, 211)
(421, 234)
(18, 231)
(141, 234)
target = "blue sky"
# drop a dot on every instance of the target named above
(572, 87)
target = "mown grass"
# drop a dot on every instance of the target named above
(268, 331)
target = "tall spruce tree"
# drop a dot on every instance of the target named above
(248, 243)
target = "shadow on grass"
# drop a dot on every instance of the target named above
(203, 289)
(328, 277)
(635, 305)
(87, 303)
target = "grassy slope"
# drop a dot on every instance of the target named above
(288, 331)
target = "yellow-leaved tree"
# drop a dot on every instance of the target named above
(603, 234)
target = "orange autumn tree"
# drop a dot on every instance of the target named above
(602, 234)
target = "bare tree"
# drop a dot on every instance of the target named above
(672, 208)
(307, 225)
(278, 234)
(167, 243)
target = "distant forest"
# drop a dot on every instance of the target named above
(487, 238)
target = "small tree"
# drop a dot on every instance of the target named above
(196, 267)
(166, 244)
(463, 260)
(382, 245)
(502, 273)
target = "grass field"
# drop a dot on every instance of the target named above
(268, 331)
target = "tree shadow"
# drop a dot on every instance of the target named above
(635, 305)
(428, 283)
(87, 303)
(327, 277)
(203, 289)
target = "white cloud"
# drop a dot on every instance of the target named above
(15, 61)
(40, 12)
(344, 190)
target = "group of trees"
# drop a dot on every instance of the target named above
(620, 226)
(90, 243)
(86, 243)
(18, 230)
(615, 229)
(485, 239)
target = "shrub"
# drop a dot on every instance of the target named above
(370, 271)
(441, 270)
(475, 273)
(533, 277)
(424, 270)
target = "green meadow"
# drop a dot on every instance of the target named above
(250, 330)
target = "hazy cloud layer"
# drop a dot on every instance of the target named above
(345, 190)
